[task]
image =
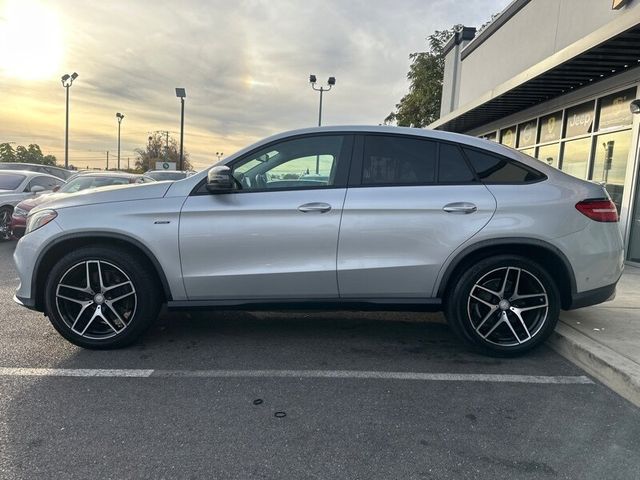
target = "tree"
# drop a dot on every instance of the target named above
(22, 154)
(158, 151)
(421, 106)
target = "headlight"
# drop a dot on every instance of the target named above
(39, 219)
(19, 212)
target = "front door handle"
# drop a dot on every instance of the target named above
(319, 207)
(460, 207)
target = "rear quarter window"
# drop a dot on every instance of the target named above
(492, 168)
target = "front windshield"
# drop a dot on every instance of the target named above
(85, 182)
(166, 175)
(10, 181)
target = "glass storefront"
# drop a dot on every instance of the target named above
(549, 154)
(610, 163)
(575, 157)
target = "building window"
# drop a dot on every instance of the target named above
(579, 120)
(575, 157)
(550, 128)
(493, 136)
(527, 133)
(508, 137)
(550, 154)
(610, 162)
(614, 110)
(529, 151)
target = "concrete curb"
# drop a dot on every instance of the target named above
(614, 370)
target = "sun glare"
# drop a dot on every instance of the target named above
(31, 42)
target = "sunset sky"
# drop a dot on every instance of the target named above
(244, 63)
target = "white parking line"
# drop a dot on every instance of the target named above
(336, 374)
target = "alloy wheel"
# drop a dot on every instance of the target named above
(5, 224)
(508, 306)
(96, 299)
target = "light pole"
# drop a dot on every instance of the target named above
(120, 117)
(67, 80)
(219, 155)
(331, 82)
(181, 94)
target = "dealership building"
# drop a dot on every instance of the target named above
(555, 79)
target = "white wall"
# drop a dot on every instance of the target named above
(537, 31)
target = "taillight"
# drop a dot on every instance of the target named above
(598, 210)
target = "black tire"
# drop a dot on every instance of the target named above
(124, 320)
(479, 319)
(5, 223)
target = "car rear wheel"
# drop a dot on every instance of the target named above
(100, 297)
(504, 305)
(5, 223)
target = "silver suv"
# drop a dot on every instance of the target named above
(332, 217)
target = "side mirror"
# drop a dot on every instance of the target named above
(219, 179)
(37, 189)
(56, 188)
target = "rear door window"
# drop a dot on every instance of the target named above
(453, 168)
(395, 160)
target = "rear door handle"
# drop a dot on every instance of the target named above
(319, 207)
(460, 207)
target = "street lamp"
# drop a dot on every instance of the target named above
(120, 117)
(331, 82)
(67, 80)
(219, 155)
(181, 94)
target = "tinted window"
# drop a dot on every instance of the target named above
(398, 161)
(453, 167)
(495, 169)
(9, 181)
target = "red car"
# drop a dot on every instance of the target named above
(82, 181)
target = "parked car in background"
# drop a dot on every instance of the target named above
(77, 183)
(168, 174)
(395, 218)
(17, 185)
(62, 173)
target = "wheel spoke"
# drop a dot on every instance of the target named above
(484, 302)
(112, 287)
(71, 299)
(84, 307)
(113, 300)
(79, 289)
(109, 304)
(486, 317)
(535, 307)
(518, 313)
(506, 320)
(485, 289)
(498, 323)
(100, 277)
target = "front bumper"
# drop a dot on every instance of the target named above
(26, 257)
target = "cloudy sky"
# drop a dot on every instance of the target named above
(244, 63)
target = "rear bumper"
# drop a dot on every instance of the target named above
(593, 297)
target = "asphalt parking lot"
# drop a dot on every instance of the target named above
(298, 395)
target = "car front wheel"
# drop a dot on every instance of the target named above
(504, 305)
(100, 297)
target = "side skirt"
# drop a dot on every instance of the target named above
(380, 304)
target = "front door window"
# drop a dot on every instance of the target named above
(302, 163)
